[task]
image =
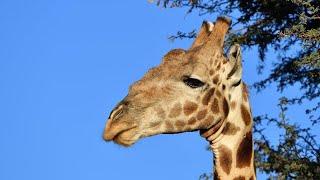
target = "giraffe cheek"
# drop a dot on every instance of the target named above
(169, 127)
(206, 123)
(159, 112)
(155, 125)
(189, 107)
(192, 121)
(180, 125)
(201, 114)
(175, 111)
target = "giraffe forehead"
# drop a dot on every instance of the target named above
(211, 60)
(172, 69)
(202, 70)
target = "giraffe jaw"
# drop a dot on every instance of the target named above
(213, 130)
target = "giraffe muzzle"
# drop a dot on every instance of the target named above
(119, 125)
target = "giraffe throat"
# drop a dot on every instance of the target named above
(232, 143)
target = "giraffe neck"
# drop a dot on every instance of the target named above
(232, 142)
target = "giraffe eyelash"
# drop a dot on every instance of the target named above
(192, 82)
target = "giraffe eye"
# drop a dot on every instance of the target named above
(192, 82)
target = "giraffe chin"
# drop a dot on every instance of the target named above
(126, 138)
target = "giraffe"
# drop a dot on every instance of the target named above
(196, 89)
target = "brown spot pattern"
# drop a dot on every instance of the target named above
(251, 178)
(239, 178)
(244, 152)
(218, 67)
(216, 62)
(246, 117)
(224, 61)
(207, 97)
(215, 106)
(169, 126)
(225, 107)
(192, 121)
(201, 114)
(215, 80)
(189, 108)
(161, 113)
(230, 129)
(165, 90)
(245, 93)
(218, 93)
(211, 72)
(225, 159)
(233, 105)
(207, 122)
(155, 124)
(175, 111)
(179, 124)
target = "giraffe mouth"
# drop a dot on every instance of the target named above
(121, 131)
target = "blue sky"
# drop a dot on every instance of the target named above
(65, 64)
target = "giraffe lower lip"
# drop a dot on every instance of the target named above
(122, 142)
(119, 139)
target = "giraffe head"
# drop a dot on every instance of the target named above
(188, 91)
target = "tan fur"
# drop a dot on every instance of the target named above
(161, 102)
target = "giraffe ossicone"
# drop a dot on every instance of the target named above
(196, 89)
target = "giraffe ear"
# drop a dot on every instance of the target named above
(235, 61)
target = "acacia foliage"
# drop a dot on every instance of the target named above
(292, 29)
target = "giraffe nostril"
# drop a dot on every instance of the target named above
(124, 102)
(117, 112)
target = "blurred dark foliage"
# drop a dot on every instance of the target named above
(291, 28)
